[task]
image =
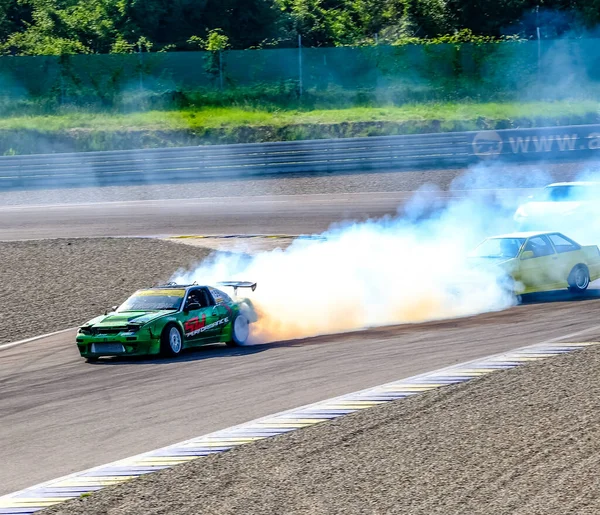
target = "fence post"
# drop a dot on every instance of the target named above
(141, 59)
(539, 52)
(62, 87)
(63, 61)
(220, 70)
(300, 63)
(539, 45)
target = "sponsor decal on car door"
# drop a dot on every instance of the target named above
(205, 325)
(224, 313)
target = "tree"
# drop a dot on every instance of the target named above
(330, 22)
(244, 22)
(59, 27)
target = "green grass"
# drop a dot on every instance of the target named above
(235, 117)
(76, 130)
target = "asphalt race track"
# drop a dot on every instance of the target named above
(297, 214)
(291, 204)
(61, 415)
(287, 205)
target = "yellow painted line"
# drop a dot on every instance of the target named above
(457, 373)
(279, 426)
(347, 403)
(294, 420)
(211, 444)
(482, 370)
(342, 407)
(543, 356)
(93, 481)
(526, 358)
(535, 355)
(358, 401)
(220, 442)
(412, 387)
(25, 502)
(581, 344)
(232, 236)
(160, 460)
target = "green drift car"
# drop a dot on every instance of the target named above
(167, 319)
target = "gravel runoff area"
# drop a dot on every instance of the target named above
(49, 285)
(521, 442)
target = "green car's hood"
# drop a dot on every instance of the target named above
(128, 317)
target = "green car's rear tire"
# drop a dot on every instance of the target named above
(171, 341)
(240, 331)
(91, 360)
(579, 279)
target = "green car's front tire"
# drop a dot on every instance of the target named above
(91, 360)
(171, 341)
(240, 331)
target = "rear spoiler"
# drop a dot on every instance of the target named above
(238, 284)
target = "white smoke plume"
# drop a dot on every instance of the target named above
(360, 275)
(409, 268)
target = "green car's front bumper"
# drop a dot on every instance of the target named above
(120, 344)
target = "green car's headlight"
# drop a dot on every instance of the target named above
(84, 330)
(133, 328)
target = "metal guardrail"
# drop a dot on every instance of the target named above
(186, 164)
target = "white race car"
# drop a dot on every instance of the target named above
(560, 206)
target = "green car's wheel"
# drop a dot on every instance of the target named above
(91, 360)
(240, 330)
(579, 279)
(171, 341)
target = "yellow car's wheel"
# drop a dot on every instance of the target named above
(579, 279)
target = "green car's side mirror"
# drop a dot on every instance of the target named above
(527, 254)
(111, 310)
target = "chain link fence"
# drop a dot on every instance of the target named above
(528, 70)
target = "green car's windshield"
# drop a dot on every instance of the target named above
(153, 300)
(499, 248)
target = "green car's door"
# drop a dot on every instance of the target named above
(537, 264)
(201, 319)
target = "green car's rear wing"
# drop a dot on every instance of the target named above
(238, 284)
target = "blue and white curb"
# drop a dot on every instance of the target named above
(72, 486)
